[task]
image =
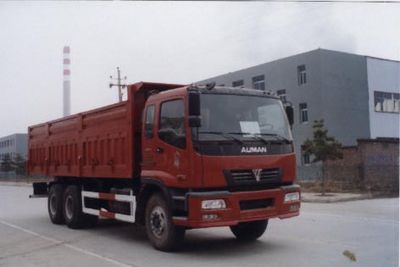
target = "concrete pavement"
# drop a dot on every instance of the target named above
(318, 237)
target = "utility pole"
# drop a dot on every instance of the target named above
(118, 84)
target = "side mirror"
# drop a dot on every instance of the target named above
(194, 121)
(290, 114)
(194, 109)
(194, 104)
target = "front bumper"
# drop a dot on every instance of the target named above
(235, 212)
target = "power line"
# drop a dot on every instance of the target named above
(333, 1)
(118, 84)
(342, 1)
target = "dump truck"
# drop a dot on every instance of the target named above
(171, 158)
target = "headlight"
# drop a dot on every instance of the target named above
(291, 197)
(213, 204)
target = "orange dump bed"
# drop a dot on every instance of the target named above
(101, 143)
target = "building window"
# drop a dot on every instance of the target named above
(282, 95)
(301, 74)
(238, 83)
(303, 112)
(306, 159)
(386, 102)
(259, 82)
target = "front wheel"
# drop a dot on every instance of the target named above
(249, 231)
(161, 231)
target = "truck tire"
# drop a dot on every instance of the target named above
(249, 231)
(161, 231)
(72, 208)
(55, 204)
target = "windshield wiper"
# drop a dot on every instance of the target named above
(277, 136)
(259, 136)
(225, 135)
(254, 136)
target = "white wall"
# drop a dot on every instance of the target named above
(383, 75)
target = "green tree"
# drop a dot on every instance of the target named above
(7, 163)
(322, 147)
(20, 165)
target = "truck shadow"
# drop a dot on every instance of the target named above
(213, 243)
(123, 230)
(216, 244)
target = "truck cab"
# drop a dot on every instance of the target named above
(225, 155)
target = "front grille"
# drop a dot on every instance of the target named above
(248, 175)
(256, 204)
(240, 179)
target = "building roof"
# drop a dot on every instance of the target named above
(307, 52)
(12, 135)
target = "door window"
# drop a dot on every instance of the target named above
(149, 122)
(172, 128)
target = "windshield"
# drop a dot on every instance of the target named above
(241, 116)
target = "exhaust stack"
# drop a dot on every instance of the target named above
(66, 81)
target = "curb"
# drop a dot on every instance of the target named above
(335, 200)
(18, 184)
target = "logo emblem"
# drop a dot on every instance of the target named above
(254, 149)
(257, 174)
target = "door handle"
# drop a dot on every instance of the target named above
(159, 150)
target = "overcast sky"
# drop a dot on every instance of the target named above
(176, 42)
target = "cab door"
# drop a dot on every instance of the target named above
(171, 143)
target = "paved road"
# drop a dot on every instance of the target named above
(369, 228)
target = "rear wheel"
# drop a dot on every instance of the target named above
(249, 231)
(74, 217)
(161, 231)
(55, 203)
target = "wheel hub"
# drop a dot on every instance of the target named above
(158, 221)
